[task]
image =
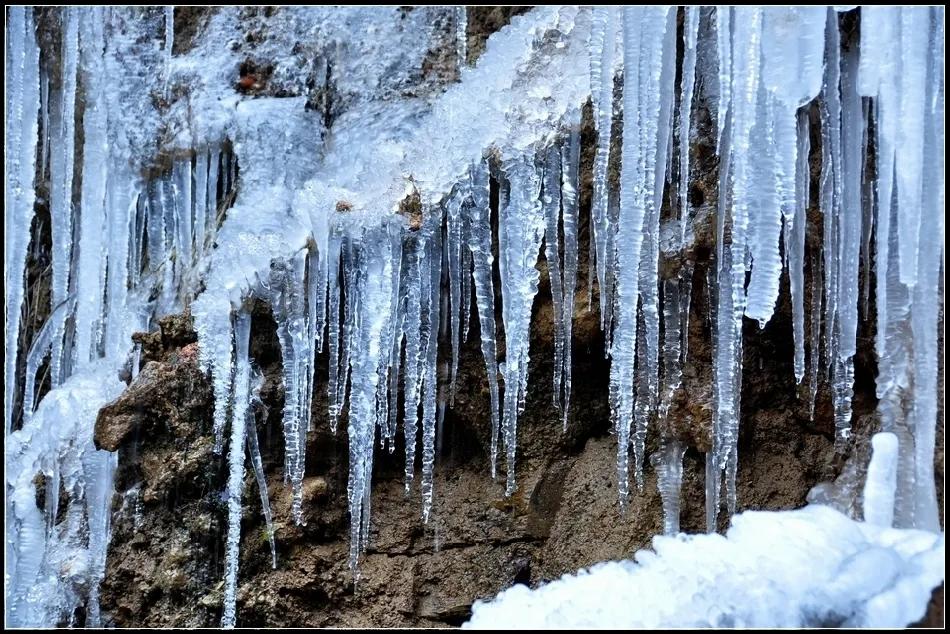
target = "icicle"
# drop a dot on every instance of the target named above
(214, 169)
(684, 116)
(668, 462)
(44, 128)
(648, 42)
(348, 280)
(551, 205)
(23, 104)
(630, 236)
(849, 245)
(466, 278)
(430, 343)
(461, 36)
(867, 210)
(570, 177)
(672, 336)
(603, 37)
(121, 200)
(724, 51)
(453, 209)
(412, 330)
(479, 243)
(333, 322)
(169, 43)
(213, 326)
(256, 382)
(745, 109)
(239, 406)
(181, 186)
(831, 183)
(927, 297)
(372, 273)
(520, 231)
(201, 204)
(287, 303)
(796, 246)
(915, 55)
(881, 484)
(316, 319)
(63, 130)
(814, 332)
(92, 232)
(38, 350)
(662, 44)
(136, 360)
(388, 394)
(792, 41)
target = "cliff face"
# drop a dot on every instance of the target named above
(166, 558)
(166, 562)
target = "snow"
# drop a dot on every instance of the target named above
(811, 567)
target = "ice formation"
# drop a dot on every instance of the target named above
(367, 228)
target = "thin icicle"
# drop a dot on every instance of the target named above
(849, 245)
(672, 337)
(23, 104)
(684, 116)
(372, 262)
(334, 332)
(521, 228)
(412, 330)
(927, 298)
(570, 178)
(287, 302)
(814, 332)
(432, 316)
(796, 245)
(461, 36)
(453, 208)
(603, 44)
(239, 406)
(254, 391)
(63, 131)
(479, 243)
(630, 237)
(830, 183)
(659, 53)
(551, 204)
(200, 204)
(38, 351)
(90, 272)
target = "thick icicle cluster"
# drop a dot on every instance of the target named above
(901, 69)
(126, 249)
(331, 269)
